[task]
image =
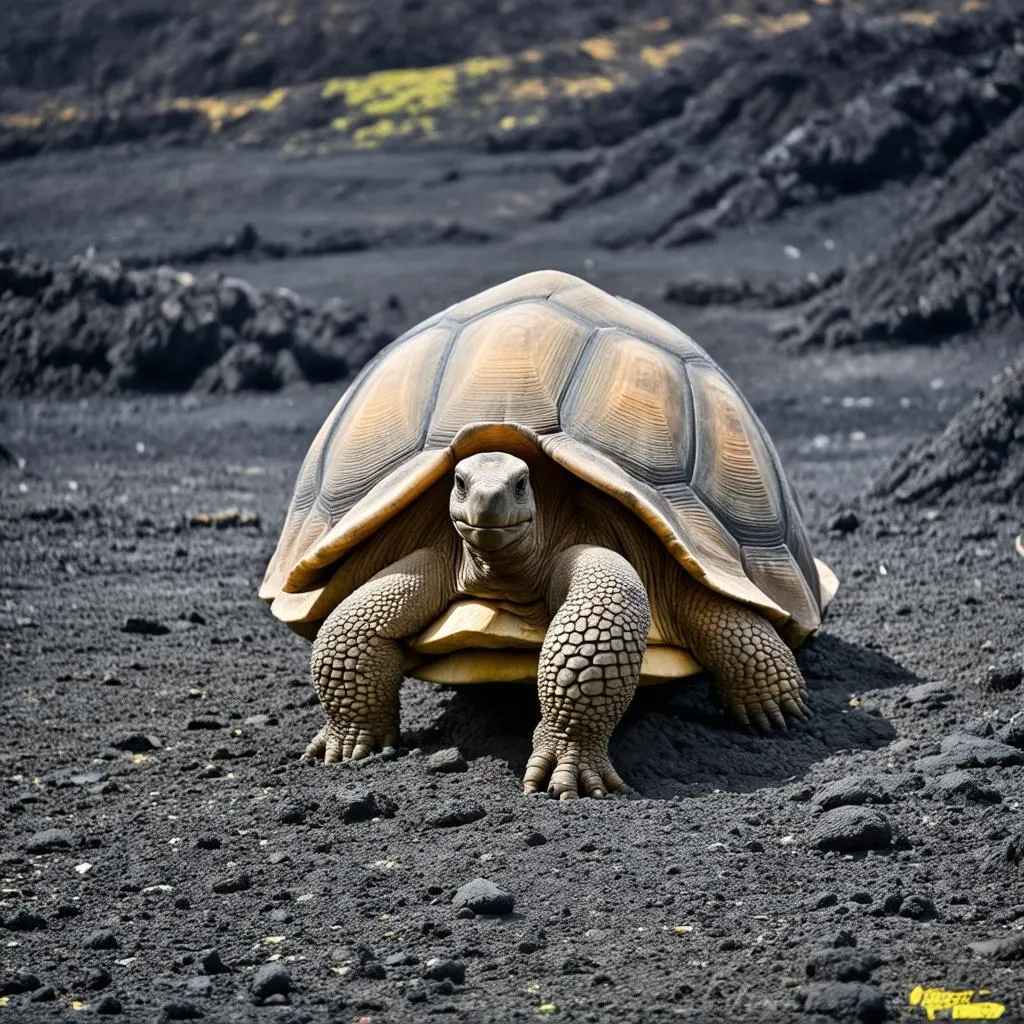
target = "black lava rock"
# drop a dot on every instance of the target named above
(484, 897)
(179, 1009)
(271, 980)
(845, 522)
(102, 939)
(25, 921)
(49, 840)
(968, 751)
(439, 970)
(137, 743)
(844, 1000)
(19, 982)
(852, 830)
(212, 963)
(961, 786)
(1008, 949)
(843, 964)
(457, 813)
(110, 1006)
(354, 805)
(850, 791)
(98, 980)
(918, 908)
(232, 883)
(144, 627)
(929, 695)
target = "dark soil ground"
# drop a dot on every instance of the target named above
(154, 807)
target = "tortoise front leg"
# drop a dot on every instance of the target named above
(357, 661)
(588, 671)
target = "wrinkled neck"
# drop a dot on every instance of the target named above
(515, 573)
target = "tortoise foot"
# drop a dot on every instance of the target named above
(568, 769)
(767, 712)
(350, 742)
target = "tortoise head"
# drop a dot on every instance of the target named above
(492, 504)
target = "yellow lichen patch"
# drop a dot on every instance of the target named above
(478, 67)
(734, 20)
(600, 48)
(923, 18)
(531, 56)
(69, 114)
(286, 18)
(530, 89)
(250, 38)
(972, 5)
(369, 136)
(217, 111)
(20, 120)
(340, 124)
(659, 57)
(784, 23)
(273, 99)
(590, 85)
(407, 91)
(658, 25)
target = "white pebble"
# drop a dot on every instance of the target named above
(792, 252)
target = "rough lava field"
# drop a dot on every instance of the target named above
(209, 221)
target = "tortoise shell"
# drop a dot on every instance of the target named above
(613, 393)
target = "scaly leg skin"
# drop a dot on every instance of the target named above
(357, 662)
(754, 670)
(588, 671)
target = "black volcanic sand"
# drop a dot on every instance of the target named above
(164, 853)
(156, 714)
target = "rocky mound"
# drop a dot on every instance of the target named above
(978, 457)
(957, 264)
(91, 326)
(749, 127)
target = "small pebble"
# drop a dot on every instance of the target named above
(212, 963)
(918, 908)
(237, 882)
(446, 761)
(98, 980)
(102, 939)
(144, 626)
(179, 1009)
(845, 521)
(440, 969)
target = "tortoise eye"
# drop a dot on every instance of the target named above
(460, 485)
(520, 487)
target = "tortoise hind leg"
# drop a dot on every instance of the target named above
(588, 671)
(357, 661)
(755, 673)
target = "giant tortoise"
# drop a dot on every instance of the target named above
(545, 482)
